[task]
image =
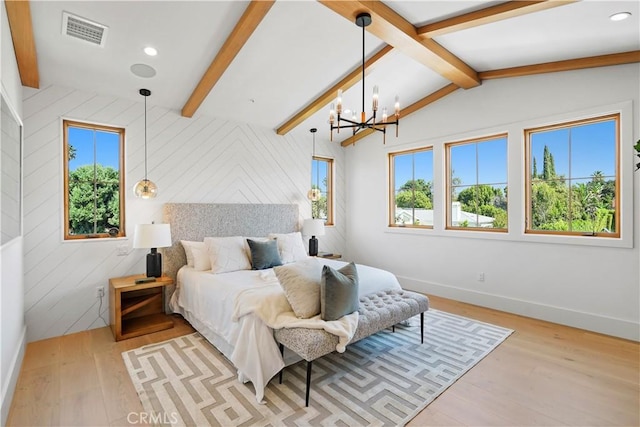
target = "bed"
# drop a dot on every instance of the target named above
(237, 310)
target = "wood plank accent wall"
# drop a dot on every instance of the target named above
(205, 160)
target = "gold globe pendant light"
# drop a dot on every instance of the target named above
(313, 194)
(145, 189)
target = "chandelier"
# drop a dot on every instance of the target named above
(337, 121)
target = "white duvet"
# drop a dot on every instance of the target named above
(238, 311)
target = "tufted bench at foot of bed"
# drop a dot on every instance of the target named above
(377, 311)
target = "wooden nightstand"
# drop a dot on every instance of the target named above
(137, 309)
(329, 256)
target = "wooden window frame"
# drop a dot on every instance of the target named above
(448, 186)
(527, 176)
(66, 124)
(330, 189)
(392, 187)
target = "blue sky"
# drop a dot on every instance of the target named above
(319, 174)
(592, 148)
(107, 145)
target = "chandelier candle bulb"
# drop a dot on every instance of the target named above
(384, 114)
(375, 98)
(397, 106)
(339, 102)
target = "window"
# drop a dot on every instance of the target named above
(410, 195)
(572, 178)
(93, 181)
(477, 184)
(322, 179)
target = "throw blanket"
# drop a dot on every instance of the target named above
(269, 303)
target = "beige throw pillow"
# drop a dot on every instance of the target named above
(301, 284)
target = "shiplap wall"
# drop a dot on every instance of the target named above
(202, 160)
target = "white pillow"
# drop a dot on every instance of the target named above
(201, 260)
(301, 284)
(291, 246)
(227, 254)
(188, 250)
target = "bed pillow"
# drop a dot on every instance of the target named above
(247, 249)
(227, 254)
(338, 292)
(264, 254)
(291, 246)
(301, 284)
(201, 261)
(188, 250)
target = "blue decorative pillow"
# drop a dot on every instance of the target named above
(264, 254)
(338, 292)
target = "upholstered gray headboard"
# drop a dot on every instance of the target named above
(195, 221)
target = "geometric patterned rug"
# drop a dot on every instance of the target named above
(385, 379)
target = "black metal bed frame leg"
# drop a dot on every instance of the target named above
(309, 363)
(422, 328)
(282, 354)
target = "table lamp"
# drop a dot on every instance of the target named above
(313, 227)
(153, 236)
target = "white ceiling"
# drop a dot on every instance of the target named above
(299, 50)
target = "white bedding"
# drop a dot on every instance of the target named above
(236, 311)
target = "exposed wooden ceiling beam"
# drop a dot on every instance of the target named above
(351, 79)
(24, 45)
(566, 65)
(547, 67)
(488, 15)
(429, 99)
(251, 18)
(392, 28)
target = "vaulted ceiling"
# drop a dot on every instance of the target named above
(278, 64)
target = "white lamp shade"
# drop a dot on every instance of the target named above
(313, 227)
(152, 236)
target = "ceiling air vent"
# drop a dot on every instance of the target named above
(83, 29)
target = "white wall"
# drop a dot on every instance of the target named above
(591, 287)
(12, 325)
(191, 160)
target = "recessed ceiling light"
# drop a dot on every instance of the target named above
(151, 51)
(620, 16)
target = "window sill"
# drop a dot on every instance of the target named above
(514, 236)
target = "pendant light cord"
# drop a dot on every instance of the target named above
(145, 138)
(363, 26)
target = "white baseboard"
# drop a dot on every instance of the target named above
(592, 322)
(9, 387)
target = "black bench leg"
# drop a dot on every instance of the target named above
(393, 328)
(282, 354)
(422, 328)
(308, 382)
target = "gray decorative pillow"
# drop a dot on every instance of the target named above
(301, 284)
(338, 292)
(264, 254)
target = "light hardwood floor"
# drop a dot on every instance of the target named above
(544, 374)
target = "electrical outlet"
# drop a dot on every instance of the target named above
(480, 277)
(99, 291)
